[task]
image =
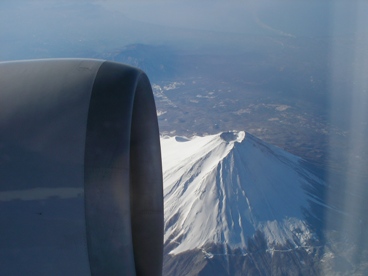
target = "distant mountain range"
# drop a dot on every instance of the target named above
(158, 62)
(235, 205)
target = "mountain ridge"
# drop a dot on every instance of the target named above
(220, 189)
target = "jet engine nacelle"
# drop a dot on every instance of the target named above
(80, 170)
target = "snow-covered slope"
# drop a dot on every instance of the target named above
(222, 189)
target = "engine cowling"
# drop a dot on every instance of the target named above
(80, 170)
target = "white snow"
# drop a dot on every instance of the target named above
(222, 188)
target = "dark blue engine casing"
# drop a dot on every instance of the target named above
(80, 170)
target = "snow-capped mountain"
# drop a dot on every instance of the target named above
(231, 195)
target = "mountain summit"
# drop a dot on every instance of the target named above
(230, 196)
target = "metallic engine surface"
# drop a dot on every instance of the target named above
(80, 170)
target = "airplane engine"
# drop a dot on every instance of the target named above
(80, 170)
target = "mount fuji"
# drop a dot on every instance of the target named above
(235, 205)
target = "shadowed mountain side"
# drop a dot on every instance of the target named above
(258, 261)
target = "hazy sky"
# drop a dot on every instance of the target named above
(59, 26)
